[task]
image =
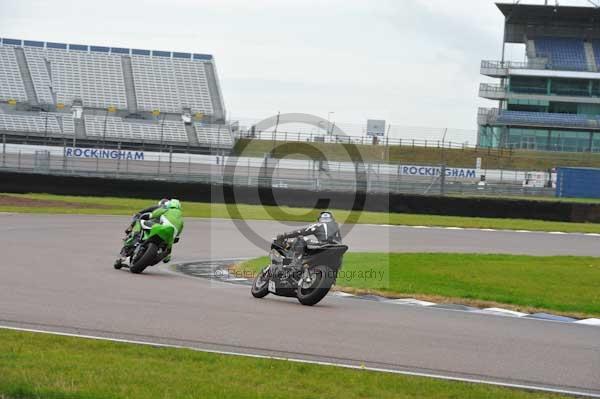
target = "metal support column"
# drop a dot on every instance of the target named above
(4, 150)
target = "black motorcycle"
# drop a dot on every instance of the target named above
(302, 270)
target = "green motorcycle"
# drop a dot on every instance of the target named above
(151, 238)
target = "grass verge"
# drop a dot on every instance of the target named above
(59, 204)
(48, 366)
(558, 284)
(411, 155)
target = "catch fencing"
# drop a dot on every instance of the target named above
(259, 172)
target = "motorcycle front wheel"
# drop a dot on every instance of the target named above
(260, 286)
(140, 262)
(315, 284)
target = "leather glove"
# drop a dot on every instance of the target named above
(280, 239)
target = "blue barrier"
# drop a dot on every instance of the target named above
(104, 49)
(578, 183)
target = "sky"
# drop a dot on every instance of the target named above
(410, 62)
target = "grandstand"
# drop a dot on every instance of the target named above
(550, 102)
(111, 96)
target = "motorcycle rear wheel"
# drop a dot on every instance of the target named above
(145, 260)
(324, 278)
(260, 286)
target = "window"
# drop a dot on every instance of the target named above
(570, 87)
(570, 141)
(528, 85)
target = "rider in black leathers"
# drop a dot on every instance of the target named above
(326, 231)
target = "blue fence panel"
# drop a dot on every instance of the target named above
(99, 49)
(156, 53)
(56, 45)
(578, 183)
(78, 47)
(119, 50)
(187, 56)
(204, 57)
(15, 42)
(32, 43)
(140, 52)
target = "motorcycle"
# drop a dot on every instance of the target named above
(301, 270)
(147, 243)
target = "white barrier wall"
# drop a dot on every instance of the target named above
(431, 172)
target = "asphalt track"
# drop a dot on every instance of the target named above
(56, 275)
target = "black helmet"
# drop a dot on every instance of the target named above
(163, 202)
(326, 217)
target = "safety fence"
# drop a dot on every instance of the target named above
(257, 172)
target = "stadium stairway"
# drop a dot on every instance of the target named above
(530, 48)
(591, 57)
(80, 132)
(191, 133)
(217, 104)
(129, 85)
(26, 76)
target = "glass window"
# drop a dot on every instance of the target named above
(596, 88)
(533, 85)
(570, 141)
(563, 108)
(488, 136)
(596, 142)
(541, 140)
(514, 138)
(570, 87)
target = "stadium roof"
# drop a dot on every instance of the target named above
(550, 20)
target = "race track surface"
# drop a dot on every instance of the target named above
(57, 275)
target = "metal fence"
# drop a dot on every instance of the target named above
(257, 172)
(357, 140)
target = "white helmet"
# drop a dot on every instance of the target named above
(326, 217)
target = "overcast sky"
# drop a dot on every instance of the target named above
(411, 62)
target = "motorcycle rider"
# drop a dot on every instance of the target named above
(150, 209)
(326, 231)
(167, 211)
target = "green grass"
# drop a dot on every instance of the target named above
(408, 155)
(120, 206)
(53, 367)
(564, 285)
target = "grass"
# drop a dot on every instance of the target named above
(563, 285)
(409, 155)
(49, 366)
(120, 206)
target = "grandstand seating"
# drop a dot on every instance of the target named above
(165, 131)
(40, 75)
(562, 53)
(67, 123)
(549, 119)
(58, 76)
(11, 82)
(94, 78)
(218, 136)
(170, 85)
(32, 123)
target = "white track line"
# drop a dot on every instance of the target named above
(316, 362)
(484, 229)
(589, 322)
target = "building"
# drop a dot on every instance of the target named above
(115, 97)
(551, 101)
